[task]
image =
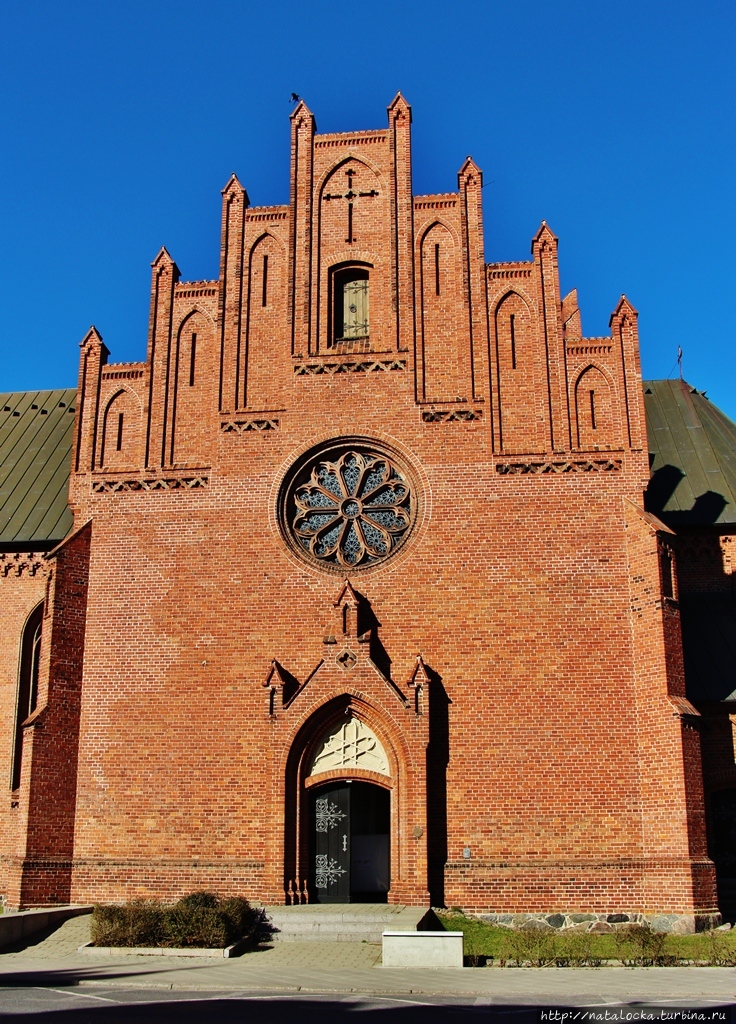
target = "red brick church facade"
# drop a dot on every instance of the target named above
(369, 515)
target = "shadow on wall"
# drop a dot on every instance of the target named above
(438, 756)
(368, 624)
(708, 620)
(438, 753)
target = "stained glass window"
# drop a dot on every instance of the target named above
(350, 509)
(27, 685)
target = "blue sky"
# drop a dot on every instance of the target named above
(615, 122)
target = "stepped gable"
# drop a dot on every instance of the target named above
(361, 601)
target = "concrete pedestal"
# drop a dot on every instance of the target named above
(422, 949)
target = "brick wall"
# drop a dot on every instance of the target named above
(38, 868)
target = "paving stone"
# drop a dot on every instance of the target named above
(65, 939)
(58, 941)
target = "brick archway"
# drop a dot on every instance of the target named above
(408, 882)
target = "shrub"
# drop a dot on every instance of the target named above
(201, 920)
(719, 952)
(137, 923)
(577, 949)
(474, 949)
(633, 945)
(640, 946)
(534, 946)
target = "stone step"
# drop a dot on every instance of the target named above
(344, 922)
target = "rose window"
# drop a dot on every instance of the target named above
(350, 510)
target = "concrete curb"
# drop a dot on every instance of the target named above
(229, 951)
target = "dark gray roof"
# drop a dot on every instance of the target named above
(36, 430)
(692, 452)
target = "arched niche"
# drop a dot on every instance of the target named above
(445, 339)
(121, 446)
(265, 359)
(519, 376)
(594, 410)
(513, 321)
(195, 391)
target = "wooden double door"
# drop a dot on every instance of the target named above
(350, 843)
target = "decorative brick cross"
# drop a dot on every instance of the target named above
(351, 195)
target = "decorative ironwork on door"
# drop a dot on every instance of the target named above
(327, 871)
(327, 814)
(331, 844)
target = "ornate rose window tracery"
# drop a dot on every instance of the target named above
(349, 508)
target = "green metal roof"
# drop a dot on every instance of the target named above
(692, 453)
(36, 429)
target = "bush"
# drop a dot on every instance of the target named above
(138, 923)
(474, 950)
(201, 920)
(719, 952)
(577, 949)
(632, 946)
(639, 946)
(534, 946)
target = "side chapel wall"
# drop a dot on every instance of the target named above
(23, 583)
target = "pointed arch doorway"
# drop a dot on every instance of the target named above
(347, 793)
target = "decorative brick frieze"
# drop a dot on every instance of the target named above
(25, 563)
(591, 347)
(582, 466)
(195, 290)
(123, 371)
(509, 271)
(451, 415)
(353, 139)
(187, 482)
(363, 366)
(445, 201)
(248, 425)
(259, 214)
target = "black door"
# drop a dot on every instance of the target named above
(350, 838)
(370, 814)
(330, 853)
